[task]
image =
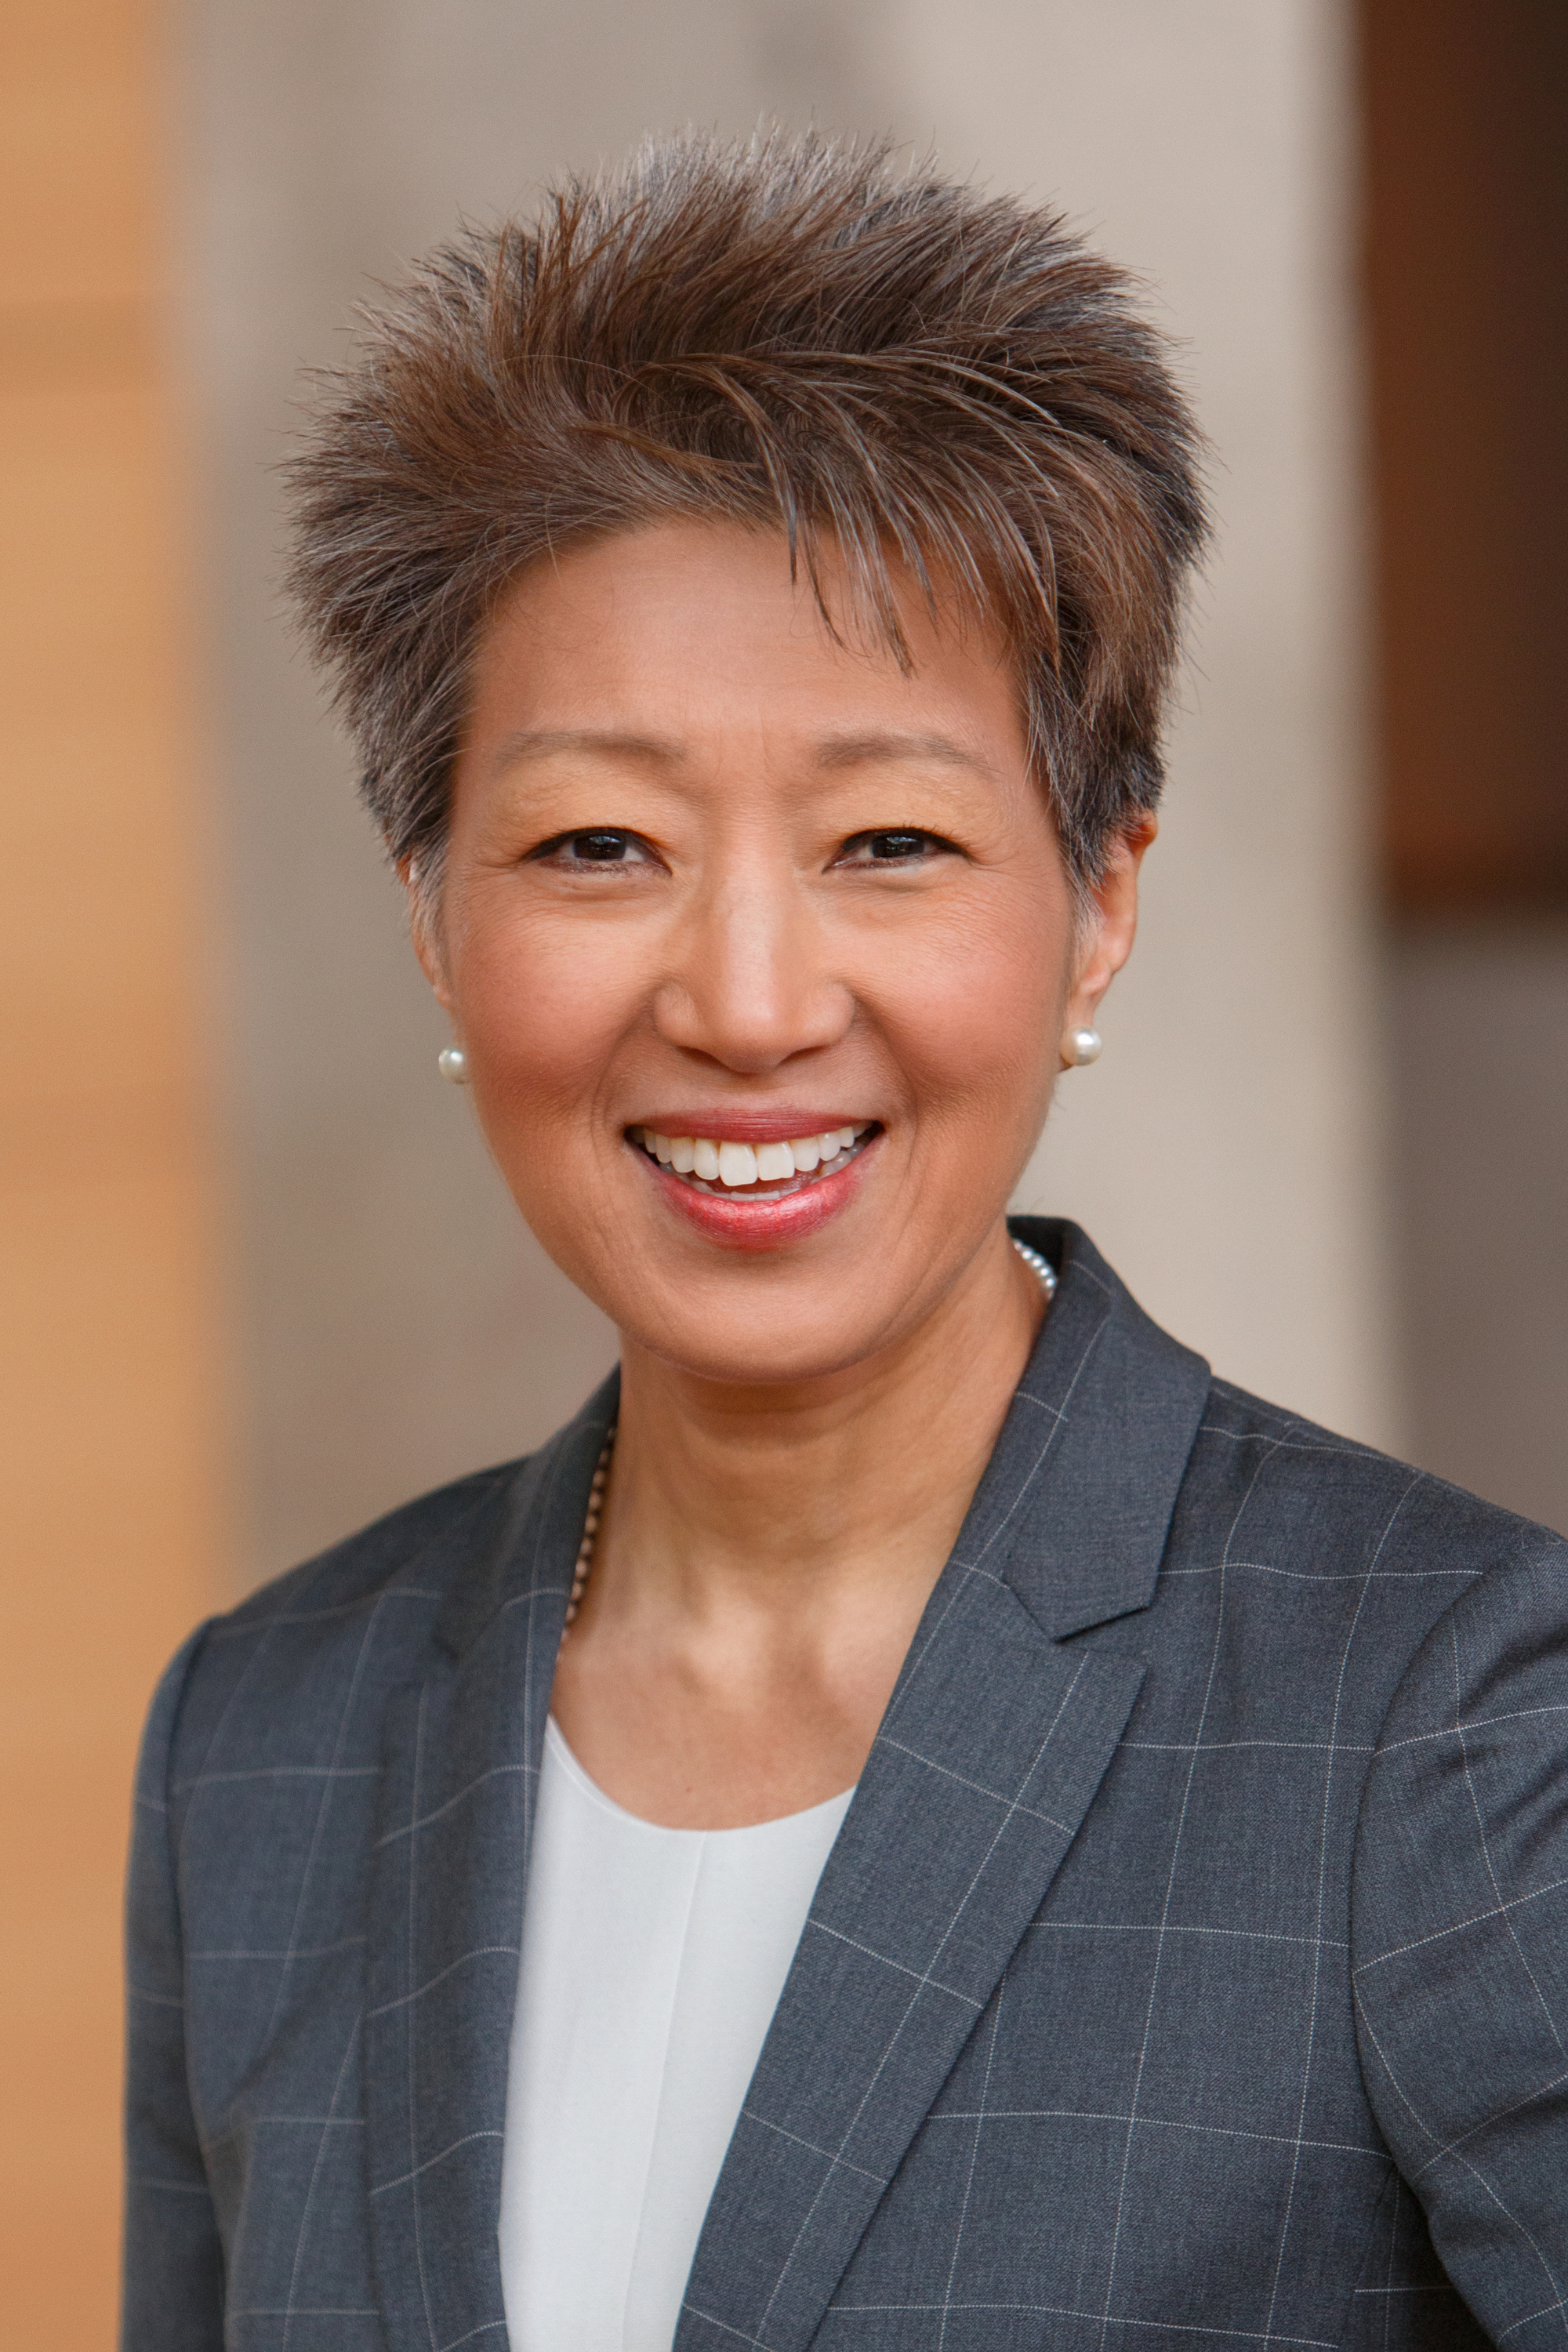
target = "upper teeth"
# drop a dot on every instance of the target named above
(733, 1164)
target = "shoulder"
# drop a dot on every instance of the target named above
(1321, 1565)
(1237, 1483)
(1459, 1912)
(1277, 1481)
(416, 1550)
(357, 1617)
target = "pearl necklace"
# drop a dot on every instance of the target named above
(1038, 1265)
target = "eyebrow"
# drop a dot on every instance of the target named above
(540, 743)
(835, 751)
(856, 750)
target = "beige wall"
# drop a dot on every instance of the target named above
(109, 1431)
(1226, 1151)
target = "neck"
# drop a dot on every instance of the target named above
(764, 1555)
(759, 1501)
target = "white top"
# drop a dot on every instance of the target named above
(652, 1962)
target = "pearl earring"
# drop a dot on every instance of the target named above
(453, 1063)
(1083, 1047)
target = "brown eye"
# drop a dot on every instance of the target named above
(600, 846)
(899, 845)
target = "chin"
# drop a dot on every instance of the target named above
(780, 1334)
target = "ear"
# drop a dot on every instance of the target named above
(422, 929)
(1109, 924)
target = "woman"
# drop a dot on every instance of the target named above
(920, 1818)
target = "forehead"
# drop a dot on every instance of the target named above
(684, 631)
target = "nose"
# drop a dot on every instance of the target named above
(750, 983)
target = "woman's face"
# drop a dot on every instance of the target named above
(717, 880)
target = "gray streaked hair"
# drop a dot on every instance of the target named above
(787, 333)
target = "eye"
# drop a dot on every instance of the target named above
(599, 845)
(898, 845)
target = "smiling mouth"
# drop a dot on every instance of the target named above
(762, 1172)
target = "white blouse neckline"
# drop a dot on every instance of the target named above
(555, 1741)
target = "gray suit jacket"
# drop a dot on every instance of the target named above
(1191, 1969)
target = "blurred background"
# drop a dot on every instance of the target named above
(257, 1282)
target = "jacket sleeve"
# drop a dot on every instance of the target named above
(1459, 1941)
(173, 2260)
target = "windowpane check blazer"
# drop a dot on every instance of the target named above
(1191, 1970)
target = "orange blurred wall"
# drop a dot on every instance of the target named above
(109, 1425)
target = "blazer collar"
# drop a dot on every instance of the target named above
(537, 1531)
(1078, 1496)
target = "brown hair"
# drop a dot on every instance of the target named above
(788, 333)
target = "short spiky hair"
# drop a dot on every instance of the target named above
(788, 333)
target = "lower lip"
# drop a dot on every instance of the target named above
(766, 1224)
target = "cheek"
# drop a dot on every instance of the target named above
(978, 1017)
(543, 1006)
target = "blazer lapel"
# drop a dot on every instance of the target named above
(994, 1745)
(461, 1758)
